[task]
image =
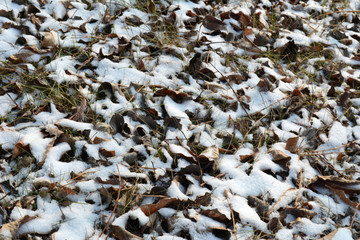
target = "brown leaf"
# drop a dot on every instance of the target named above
(291, 144)
(243, 19)
(225, 15)
(203, 200)
(107, 153)
(349, 186)
(213, 23)
(151, 7)
(246, 158)
(210, 157)
(178, 97)
(8, 230)
(149, 209)
(280, 157)
(112, 181)
(98, 140)
(216, 215)
(343, 98)
(288, 51)
(19, 149)
(206, 74)
(300, 212)
(264, 85)
(234, 78)
(48, 40)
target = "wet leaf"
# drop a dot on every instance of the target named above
(264, 85)
(288, 51)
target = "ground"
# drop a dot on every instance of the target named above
(162, 119)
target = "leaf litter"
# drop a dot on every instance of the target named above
(179, 120)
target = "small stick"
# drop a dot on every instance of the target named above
(232, 213)
(139, 90)
(353, 219)
(300, 183)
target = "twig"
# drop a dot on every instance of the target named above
(232, 213)
(139, 90)
(278, 201)
(13, 101)
(300, 182)
(80, 111)
(353, 219)
(325, 151)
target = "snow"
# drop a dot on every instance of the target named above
(95, 44)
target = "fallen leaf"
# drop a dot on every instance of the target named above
(213, 23)
(19, 149)
(300, 212)
(149, 209)
(107, 153)
(291, 144)
(216, 215)
(178, 97)
(210, 158)
(48, 40)
(8, 230)
(280, 157)
(117, 123)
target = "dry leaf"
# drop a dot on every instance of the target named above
(300, 212)
(210, 157)
(117, 123)
(178, 97)
(48, 40)
(213, 23)
(291, 144)
(149, 209)
(19, 149)
(216, 215)
(107, 153)
(280, 157)
(8, 230)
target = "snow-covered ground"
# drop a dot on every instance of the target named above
(179, 119)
